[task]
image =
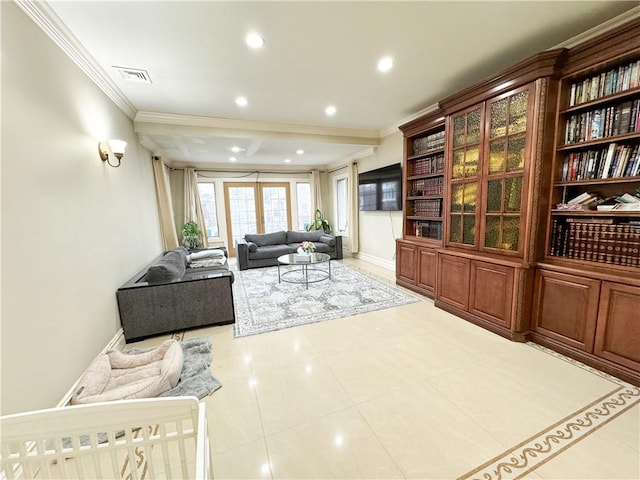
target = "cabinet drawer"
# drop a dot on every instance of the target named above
(618, 331)
(452, 286)
(491, 292)
(566, 308)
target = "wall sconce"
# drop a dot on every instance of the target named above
(117, 147)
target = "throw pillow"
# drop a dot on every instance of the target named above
(329, 240)
(264, 239)
(299, 237)
(169, 268)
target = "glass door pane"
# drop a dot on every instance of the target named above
(465, 172)
(275, 207)
(505, 171)
(242, 212)
(256, 208)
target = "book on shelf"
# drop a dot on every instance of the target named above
(603, 122)
(597, 241)
(427, 208)
(614, 80)
(429, 229)
(582, 202)
(628, 198)
(429, 142)
(428, 166)
(613, 161)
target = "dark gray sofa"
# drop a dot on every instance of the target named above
(263, 249)
(173, 293)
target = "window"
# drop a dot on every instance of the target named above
(207, 194)
(303, 192)
(341, 204)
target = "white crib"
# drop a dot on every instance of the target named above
(157, 438)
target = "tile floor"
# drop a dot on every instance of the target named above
(412, 392)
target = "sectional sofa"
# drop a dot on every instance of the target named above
(178, 290)
(263, 250)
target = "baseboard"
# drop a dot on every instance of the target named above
(116, 343)
(389, 264)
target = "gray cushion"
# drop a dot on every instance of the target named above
(329, 240)
(299, 237)
(252, 246)
(182, 251)
(270, 251)
(169, 268)
(263, 239)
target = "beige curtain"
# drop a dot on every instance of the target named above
(165, 208)
(316, 192)
(353, 213)
(192, 205)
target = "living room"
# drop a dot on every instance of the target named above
(84, 227)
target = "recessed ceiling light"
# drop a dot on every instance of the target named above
(236, 149)
(287, 160)
(300, 152)
(241, 102)
(385, 64)
(330, 110)
(232, 159)
(254, 40)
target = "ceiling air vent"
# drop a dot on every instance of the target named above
(133, 74)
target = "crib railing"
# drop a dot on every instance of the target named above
(157, 438)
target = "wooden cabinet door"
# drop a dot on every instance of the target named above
(618, 331)
(406, 262)
(491, 292)
(566, 308)
(427, 269)
(452, 285)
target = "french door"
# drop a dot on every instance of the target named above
(256, 208)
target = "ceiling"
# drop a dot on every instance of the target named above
(315, 54)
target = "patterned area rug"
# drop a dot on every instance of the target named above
(264, 305)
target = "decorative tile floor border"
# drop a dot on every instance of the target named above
(542, 447)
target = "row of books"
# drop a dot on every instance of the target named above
(426, 186)
(595, 241)
(427, 166)
(603, 122)
(429, 230)
(430, 142)
(616, 80)
(614, 161)
(428, 208)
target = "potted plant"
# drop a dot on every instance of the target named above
(319, 223)
(191, 235)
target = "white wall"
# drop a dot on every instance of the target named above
(378, 230)
(73, 229)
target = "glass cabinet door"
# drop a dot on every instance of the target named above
(504, 171)
(464, 175)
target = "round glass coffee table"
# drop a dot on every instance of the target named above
(307, 270)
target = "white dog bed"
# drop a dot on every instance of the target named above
(118, 376)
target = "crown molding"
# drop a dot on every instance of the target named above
(49, 22)
(599, 29)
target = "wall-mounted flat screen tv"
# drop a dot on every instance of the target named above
(381, 189)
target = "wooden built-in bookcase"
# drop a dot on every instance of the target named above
(511, 254)
(587, 288)
(423, 187)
